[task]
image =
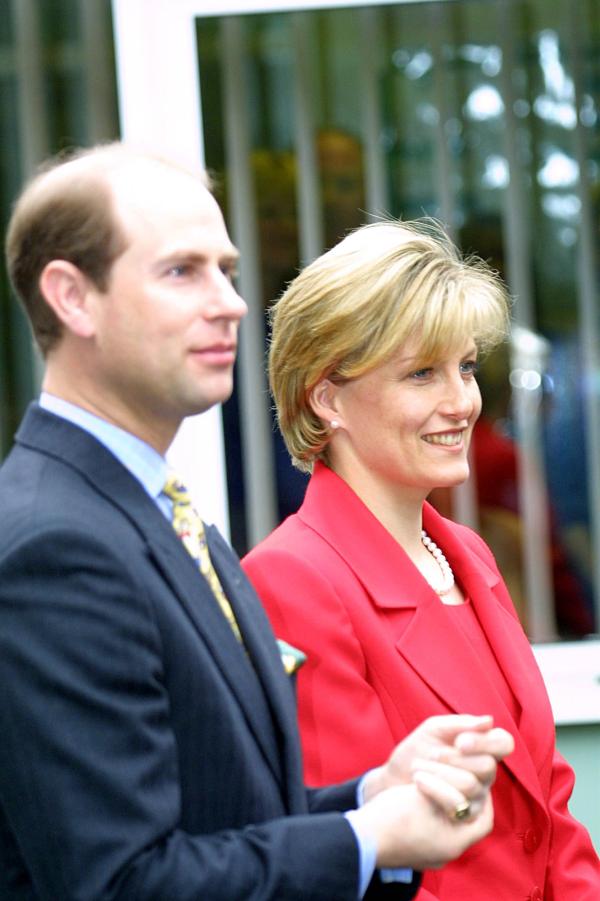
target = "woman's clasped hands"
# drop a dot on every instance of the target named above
(450, 761)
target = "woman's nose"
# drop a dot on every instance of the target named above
(460, 398)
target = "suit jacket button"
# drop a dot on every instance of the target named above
(535, 894)
(531, 840)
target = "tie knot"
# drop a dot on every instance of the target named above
(176, 490)
(190, 528)
(184, 518)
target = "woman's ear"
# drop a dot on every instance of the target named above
(323, 402)
(66, 290)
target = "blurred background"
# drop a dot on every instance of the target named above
(481, 113)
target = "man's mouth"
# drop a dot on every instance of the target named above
(219, 354)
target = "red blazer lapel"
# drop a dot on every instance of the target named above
(333, 510)
(435, 649)
(481, 581)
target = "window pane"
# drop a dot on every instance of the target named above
(466, 111)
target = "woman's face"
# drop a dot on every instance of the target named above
(406, 424)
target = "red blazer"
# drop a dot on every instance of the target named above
(383, 654)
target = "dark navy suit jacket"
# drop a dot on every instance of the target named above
(144, 754)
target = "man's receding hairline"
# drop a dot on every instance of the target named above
(105, 164)
(107, 167)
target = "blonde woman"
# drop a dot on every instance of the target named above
(402, 613)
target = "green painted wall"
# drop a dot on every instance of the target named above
(580, 745)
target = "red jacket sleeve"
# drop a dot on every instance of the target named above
(574, 866)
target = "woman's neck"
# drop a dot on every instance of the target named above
(398, 510)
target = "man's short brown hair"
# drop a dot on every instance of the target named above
(66, 212)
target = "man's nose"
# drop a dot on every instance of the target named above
(224, 301)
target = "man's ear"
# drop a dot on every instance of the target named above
(66, 290)
(323, 400)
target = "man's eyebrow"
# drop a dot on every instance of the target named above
(232, 257)
(197, 256)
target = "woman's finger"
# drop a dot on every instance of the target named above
(459, 778)
(447, 797)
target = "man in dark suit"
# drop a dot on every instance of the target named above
(147, 750)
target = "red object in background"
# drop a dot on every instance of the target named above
(495, 462)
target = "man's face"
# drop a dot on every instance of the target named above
(166, 328)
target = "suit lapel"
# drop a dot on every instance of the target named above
(433, 645)
(52, 435)
(266, 659)
(195, 595)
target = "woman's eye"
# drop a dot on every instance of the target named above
(469, 367)
(421, 374)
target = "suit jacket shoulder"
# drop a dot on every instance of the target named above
(162, 757)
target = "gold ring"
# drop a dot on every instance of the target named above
(461, 811)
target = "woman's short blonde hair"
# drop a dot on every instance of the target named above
(352, 308)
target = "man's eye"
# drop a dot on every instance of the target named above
(230, 271)
(178, 271)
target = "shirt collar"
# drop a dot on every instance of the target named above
(142, 461)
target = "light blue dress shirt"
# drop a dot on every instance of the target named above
(151, 470)
(142, 461)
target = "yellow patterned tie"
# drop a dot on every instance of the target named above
(190, 528)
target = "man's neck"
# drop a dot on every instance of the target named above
(112, 410)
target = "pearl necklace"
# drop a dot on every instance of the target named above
(447, 574)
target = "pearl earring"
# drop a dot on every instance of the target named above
(334, 424)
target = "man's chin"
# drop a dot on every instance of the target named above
(201, 405)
